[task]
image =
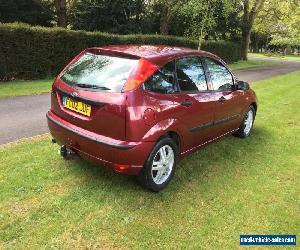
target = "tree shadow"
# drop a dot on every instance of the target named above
(229, 150)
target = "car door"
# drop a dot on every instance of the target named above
(227, 115)
(194, 102)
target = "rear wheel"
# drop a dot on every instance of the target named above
(160, 165)
(247, 123)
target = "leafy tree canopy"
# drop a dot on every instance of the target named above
(280, 20)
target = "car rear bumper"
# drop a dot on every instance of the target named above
(121, 156)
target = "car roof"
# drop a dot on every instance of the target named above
(157, 54)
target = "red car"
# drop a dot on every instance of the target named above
(140, 109)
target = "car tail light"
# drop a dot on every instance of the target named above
(139, 74)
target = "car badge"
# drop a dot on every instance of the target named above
(74, 94)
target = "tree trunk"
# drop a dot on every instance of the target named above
(256, 44)
(165, 21)
(245, 44)
(200, 39)
(61, 10)
(203, 23)
(248, 20)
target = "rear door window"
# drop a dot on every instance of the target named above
(99, 72)
(163, 81)
(190, 74)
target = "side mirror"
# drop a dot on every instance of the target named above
(241, 85)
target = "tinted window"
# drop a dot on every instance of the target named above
(221, 78)
(190, 74)
(162, 81)
(108, 72)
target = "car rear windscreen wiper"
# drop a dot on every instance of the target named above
(91, 86)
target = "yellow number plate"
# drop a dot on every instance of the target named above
(76, 106)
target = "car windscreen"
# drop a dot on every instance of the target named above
(99, 72)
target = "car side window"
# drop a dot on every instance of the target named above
(190, 74)
(220, 76)
(163, 81)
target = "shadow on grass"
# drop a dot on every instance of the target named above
(222, 158)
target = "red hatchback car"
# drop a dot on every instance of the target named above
(140, 109)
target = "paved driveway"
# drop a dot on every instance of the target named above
(24, 116)
(261, 73)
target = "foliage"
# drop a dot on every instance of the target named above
(216, 19)
(275, 21)
(27, 11)
(202, 20)
(228, 188)
(168, 17)
(118, 16)
(38, 52)
(168, 11)
(280, 21)
(284, 42)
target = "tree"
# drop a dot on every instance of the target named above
(227, 18)
(200, 14)
(249, 15)
(211, 19)
(280, 22)
(61, 12)
(118, 16)
(34, 12)
(167, 9)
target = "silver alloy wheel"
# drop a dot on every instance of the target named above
(248, 122)
(162, 164)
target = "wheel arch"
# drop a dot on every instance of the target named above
(254, 104)
(174, 136)
(166, 128)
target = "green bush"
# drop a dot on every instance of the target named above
(31, 52)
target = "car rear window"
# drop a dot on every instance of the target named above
(99, 72)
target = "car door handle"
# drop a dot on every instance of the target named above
(222, 99)
(186, 103)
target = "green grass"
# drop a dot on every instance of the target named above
(264, 56)
(17, 88)
(226, 189)
(250, 64)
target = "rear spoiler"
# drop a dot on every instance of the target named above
(111, 52)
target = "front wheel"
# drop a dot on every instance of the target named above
(247, 123)
(160, 165)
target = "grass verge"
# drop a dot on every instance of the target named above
(226, 189)
(17, 88)
(273, 56)
(250, 64)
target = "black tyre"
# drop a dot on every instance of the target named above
(247, 123)
(160, 165)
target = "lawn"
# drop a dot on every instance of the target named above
(226, 189)
(256, 56)
(252, 63)
(16, 88)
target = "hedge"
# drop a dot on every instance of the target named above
(32, 52)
